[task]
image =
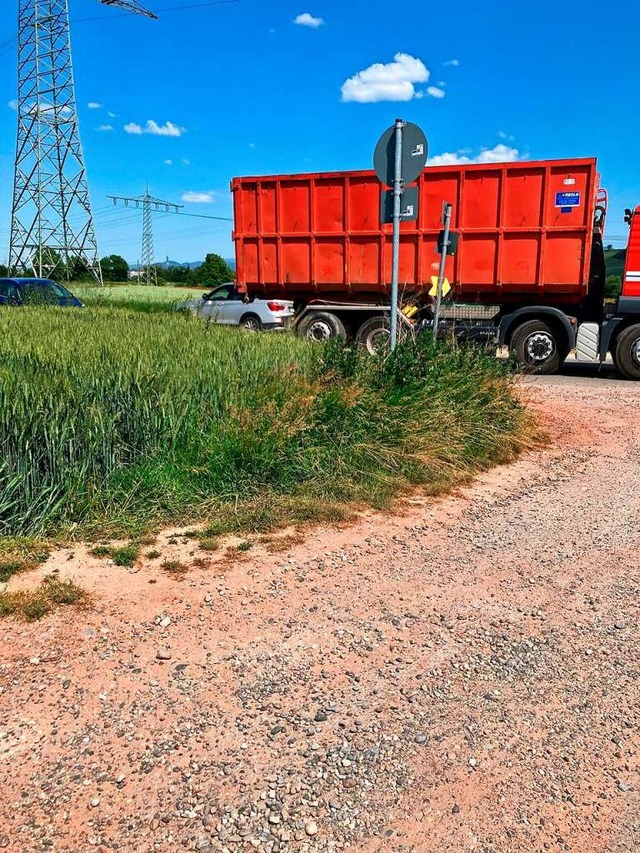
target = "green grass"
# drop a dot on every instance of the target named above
(9, 568)
(33, 605)
(114, 422)
(125, 555)
(137, 297)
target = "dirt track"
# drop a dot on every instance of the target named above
(463, 677)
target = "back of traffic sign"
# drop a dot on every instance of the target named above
(415, 150)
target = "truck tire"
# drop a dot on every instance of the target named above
(627, 354)
(251, 322)
(374, 334)
(536, 348)
(322, 326)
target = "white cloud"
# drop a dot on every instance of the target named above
(154, 129)
(507, 136)
(168, 162)
(94, 105)
(436, 92)
(13, 105)
(498, 154)
(252, 145)
(105, 128)
(453, 63)
(186, 162)
(308, 20)
(394, 81)
(111, 115)
(198, 197)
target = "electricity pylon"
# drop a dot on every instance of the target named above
(51, 218)
(148, 273)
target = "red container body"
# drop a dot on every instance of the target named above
(525, 229)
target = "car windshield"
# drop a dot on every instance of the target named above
(43, 291)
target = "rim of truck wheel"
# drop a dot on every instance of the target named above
(376, 339)
(539, 346)
(634, 349)
(320, 330)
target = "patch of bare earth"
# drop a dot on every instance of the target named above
(460, 677)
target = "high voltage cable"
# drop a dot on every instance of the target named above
(8, 46)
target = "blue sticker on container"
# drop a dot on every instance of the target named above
(568, 200)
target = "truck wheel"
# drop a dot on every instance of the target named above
(322, 326)
(251, 322)
(627, 354)
(374, 335)
(535, 347)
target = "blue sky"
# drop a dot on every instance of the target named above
(240, 89)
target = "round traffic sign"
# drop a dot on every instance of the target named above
(415, 150)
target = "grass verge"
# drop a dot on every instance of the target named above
(113, 423)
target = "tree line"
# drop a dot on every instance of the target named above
(211, 273)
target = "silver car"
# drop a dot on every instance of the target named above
(226, 306)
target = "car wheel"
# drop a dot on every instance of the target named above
(536, 348)
(627, 354)
(322, 326)
(251, 322)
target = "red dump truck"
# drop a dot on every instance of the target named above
(528, 272)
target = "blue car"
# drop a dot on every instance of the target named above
(36, 291)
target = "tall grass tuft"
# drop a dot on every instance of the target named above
(112, 421)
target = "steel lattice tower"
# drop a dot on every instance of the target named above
(148, 203)
(51, 219)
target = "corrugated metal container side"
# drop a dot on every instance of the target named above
(525, 233)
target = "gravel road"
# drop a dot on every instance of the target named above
(462, 676)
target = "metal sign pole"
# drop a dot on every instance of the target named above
(448, 211)
(397, 219)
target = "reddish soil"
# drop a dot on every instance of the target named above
(461, 676)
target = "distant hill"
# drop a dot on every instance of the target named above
(193, 265)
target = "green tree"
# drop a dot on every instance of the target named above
(4, 271)
(613, 286)
(214, 271)
(53, 265)
(181, 275)
(114, 268)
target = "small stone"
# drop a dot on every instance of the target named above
(420, 738)
(311, 828)
(274, 818)
(34, 660)
(350, 783)
(473, 762)
(624, 787)
(165, 622)
(620, 626)
(163, 654)
(321, 717)
(4, 840)
(95, 802)
(455, 809)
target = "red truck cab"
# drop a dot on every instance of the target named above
(631, 277)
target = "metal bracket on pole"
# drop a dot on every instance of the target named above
(448, 212)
